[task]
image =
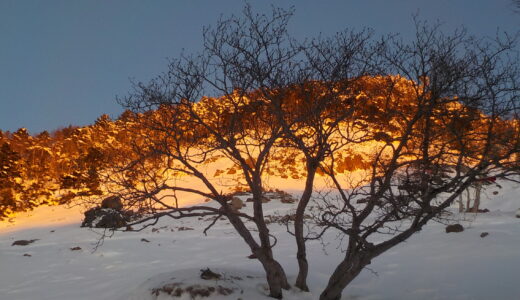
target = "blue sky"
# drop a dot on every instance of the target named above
(64, 62)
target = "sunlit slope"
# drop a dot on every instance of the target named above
(95, 160)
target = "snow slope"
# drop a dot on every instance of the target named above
(430, 265)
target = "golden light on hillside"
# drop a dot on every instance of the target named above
(53, 168)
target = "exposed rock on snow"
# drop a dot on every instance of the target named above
(98, 217)
(518, 213)
(264, 199)
(454, 228)
(236, 203)
(207, 274)
(184, 228)
(23, 242)
(196, 291)
(187, 284)
(113, 202)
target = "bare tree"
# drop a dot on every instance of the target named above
(215, 105)
(440, 114)
(450, 103)
(318, 111)
(273, 93)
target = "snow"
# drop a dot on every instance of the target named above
(127, 265)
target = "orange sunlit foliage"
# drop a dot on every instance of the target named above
(52, 168)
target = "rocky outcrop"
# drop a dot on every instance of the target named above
(99, 217)
(454, 228)
(113, 202)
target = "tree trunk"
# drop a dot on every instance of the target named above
(461, 204)
(276, 278)
(301, 254)
(476, 202)
(468, 200)
(345, 272)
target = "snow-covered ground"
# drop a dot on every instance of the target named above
(129, 265)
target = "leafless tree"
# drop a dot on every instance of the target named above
(440, 111)
(451, 108)
(215, 104)
(272, 93)
(318, 112)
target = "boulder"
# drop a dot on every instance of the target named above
(207, 274)
(288, 199)
(454, 228)
(236, 203)
(99, 217)
(480, 211)
(518, 213)
(113, 202)
(264, 199)
(23, 242)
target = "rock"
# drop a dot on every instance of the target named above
(484, 210)
(454, 228)
(283, 196)
(209, 275)
(236, 203)
(288, 199)
(105, 218)
(264, 199)
(23, 242)
(27, 254)
(182, 228)
(113, 202)
(176, 290)
(518, 213)
(484, 234)
(145, 240)
(75, 248)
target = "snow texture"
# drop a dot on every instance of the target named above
(130, 265)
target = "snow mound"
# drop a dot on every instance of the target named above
(187, 284)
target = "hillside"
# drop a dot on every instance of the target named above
(127, 265)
